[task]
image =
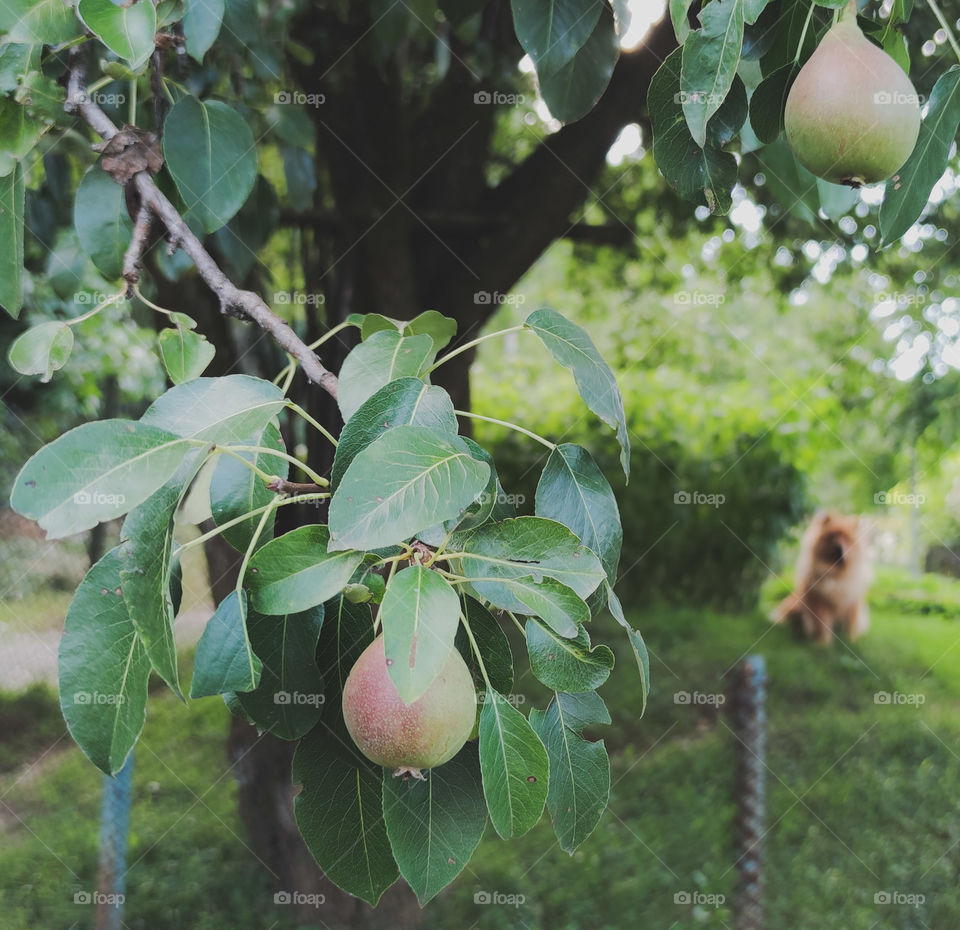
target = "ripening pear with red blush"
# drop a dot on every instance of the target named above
(408, 737)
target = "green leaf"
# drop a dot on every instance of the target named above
(95, 472)
(435, 825)
(103, 669)
(553, 31)
(908, 191)
(236, 489)
(836, 200)
(19, 131)
(478, 512)
(17, 59)
(225, 660)
(514, 765)
(38, 22)
(516, 555)
(371, 323)
(377, 361)
(211, 155)
(11, 232)
(678, 17)
(441, 329)
(296, 572)
(710, 59)
(701, 174)
(574, 88)
(768, 102)
(794, 187)
(637, 644)
(557, 605)
(573, 491)
(420, 613)
(404, 402)
(340, 813)
(347, 630)
(579, 770)
(126, 30)
(572, 347)
(42, 96)
(408, 479)
(289, 699)
(101, 220)
(146, 551)
(234, 408)
(201, 25)
(567, 664)
(493, 645)
(185, 354)
(42, 350)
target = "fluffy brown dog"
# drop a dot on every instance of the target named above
(831, 581)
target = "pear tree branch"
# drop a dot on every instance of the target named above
(245, 305)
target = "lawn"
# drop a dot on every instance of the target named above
(863, 797)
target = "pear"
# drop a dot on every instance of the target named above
(408, 737)
(852, 115)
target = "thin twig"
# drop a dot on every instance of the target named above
(233, 301)
(133, 257)
(282, 486)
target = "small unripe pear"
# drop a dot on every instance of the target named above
(408, 737)
(852, 115)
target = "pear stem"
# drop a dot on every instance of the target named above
(803, 34)
(945, 26)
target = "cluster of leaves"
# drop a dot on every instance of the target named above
(731, 77)
(420, 527)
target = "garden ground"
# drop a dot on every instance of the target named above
(863, 794)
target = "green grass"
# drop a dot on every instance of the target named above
(863, 798)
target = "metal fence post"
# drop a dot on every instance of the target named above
(750, 723)
(112, 865)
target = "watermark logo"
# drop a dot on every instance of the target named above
(98, 499)
(699, 498)
(707, 98)
(517, 700)
(699, 298)
(898, 98)
(498, 897)
(901, 298)
(298, 98)
(494, 97)
(298, 298)
(97, 697)
(899, 499)
(298, 698)
(299, 897)
(899, 698)
(699, 698)
(495, 298)
(899, 897)
(98, 897)
(91, 297)
(517, 500)
(699, 898)
(102, 99)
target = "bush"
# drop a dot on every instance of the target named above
(701, 521)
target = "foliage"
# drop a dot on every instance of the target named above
(403, 481)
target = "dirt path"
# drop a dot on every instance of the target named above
(32, 656)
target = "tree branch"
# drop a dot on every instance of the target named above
(133, 257)
(233, 301)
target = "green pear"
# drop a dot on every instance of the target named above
(852, 115)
